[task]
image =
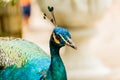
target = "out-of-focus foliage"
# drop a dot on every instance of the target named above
(6, 2)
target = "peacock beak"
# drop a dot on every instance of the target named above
(70, 43)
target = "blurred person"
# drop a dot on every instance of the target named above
(26, 10)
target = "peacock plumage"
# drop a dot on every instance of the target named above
(24, 60)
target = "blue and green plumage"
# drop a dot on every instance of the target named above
(23, 60)
(26, 60)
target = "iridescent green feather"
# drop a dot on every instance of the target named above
(19, 58)
(19, 51)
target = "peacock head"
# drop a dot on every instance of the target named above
(61, 37)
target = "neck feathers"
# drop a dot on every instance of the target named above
(56, 70)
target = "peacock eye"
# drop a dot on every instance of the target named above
(58, 37)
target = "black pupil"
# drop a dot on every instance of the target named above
(58, 37)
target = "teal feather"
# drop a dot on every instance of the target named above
(34, 60)
(24, 60)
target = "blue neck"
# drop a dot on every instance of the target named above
(56, 70)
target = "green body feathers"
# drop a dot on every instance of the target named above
(19, 52)
(22, 60)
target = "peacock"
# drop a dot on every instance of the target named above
(23, 60)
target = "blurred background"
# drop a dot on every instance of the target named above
(98, 28)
